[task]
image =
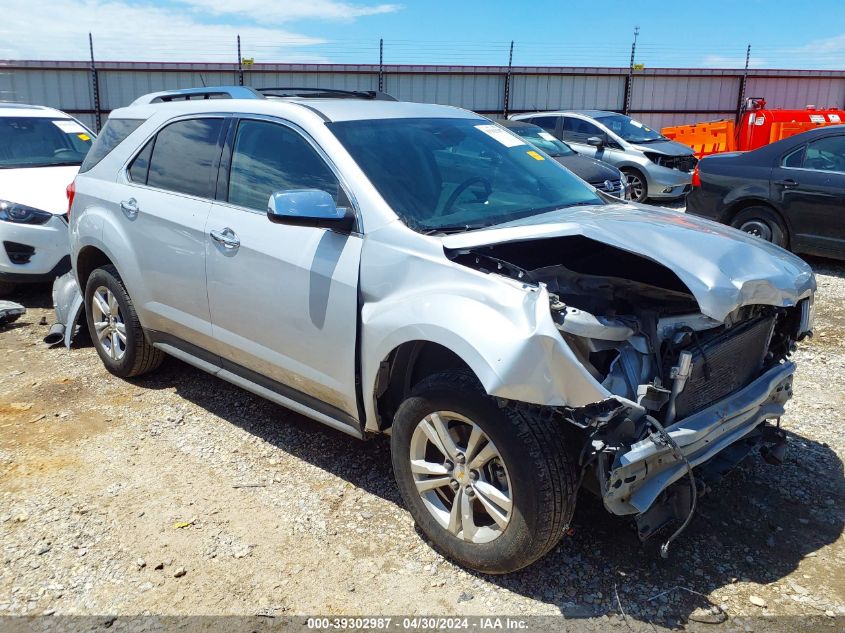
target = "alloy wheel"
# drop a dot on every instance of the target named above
(461, 477)
(108, 323)
(637, 186)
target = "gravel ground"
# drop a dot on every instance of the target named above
(180, 494)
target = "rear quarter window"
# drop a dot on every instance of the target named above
(114, 132)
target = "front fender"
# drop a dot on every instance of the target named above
(508, 339)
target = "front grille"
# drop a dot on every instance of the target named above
(682, 163)
(608, 186)
(725, 364)
(19, 253)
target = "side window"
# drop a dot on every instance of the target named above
(141, 165)
(184, 157)
(268, 157)
(826, 154)
(548, 123)
(578, 130)
(794, 158)
(114, 132)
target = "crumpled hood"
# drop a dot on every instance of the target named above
(669, 148)
(38, 187)
(724, 268)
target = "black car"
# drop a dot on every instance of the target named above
(602, 176)
(791, 192)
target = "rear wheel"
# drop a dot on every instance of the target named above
(761, 222)
(637, 183)
(491, 486)
(114, 326)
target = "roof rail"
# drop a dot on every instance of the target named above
(325, 93)
(189, 94)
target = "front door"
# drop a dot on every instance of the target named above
(283, 299)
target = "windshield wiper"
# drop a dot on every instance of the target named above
(454, 228)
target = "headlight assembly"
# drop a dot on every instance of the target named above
(22, 214)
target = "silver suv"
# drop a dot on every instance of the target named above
(417, 270)
(655, 166)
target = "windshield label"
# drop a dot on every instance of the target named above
(69, 127)
(547, 136)
(495, 132)
(534, 155)
(636, 123)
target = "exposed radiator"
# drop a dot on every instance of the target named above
(725, 364)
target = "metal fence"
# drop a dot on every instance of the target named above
(657, 96)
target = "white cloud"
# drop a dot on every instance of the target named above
(728, 61)
(58, 29)
(280, 11)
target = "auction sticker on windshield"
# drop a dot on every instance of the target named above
(547, 136)
(494, 131)
(69, 127)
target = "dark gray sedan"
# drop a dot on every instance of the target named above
(602, 176)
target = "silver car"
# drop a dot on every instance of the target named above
(419, 271)
(654, 166)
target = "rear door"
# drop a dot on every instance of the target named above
(283, 299)
(164, 209)
(812, 196)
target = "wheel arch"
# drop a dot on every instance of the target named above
(89, 259)
(746, 203)
(406, 366)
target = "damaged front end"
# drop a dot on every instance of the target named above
(688, 394)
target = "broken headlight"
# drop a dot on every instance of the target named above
(808, 316)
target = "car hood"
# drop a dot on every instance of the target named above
(722, 267)
(38, 187)
(669, 148)
(589, 169)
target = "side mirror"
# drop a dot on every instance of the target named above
(595, 141)
(309, 207)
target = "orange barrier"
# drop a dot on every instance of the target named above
(791, 128)
(704, 138)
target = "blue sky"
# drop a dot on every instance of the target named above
(575, 32)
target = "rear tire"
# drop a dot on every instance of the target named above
(114, 326)
(637, 183)
(515, 483)
(761, 222)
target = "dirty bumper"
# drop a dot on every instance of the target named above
(649, 467)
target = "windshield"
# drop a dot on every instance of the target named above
(630, 130)
(458, 174)
(42, 142)
(542, 139)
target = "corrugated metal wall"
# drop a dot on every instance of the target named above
(659, 97)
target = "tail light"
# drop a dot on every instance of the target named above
(71, 192)
(696, 177)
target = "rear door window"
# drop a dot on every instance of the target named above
(268, 157)
(185, 157)
(140, 167)
(114, 132)
(548, 123)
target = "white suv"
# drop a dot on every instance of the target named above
(40, 152)
(417, 270)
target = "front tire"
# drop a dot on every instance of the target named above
(114, 326)
(491, 486)
(761, 222)
(637, 183)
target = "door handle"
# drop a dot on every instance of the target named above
(129, 207)
(226, 237)
(787, 184)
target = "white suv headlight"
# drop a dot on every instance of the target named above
(22, 214)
